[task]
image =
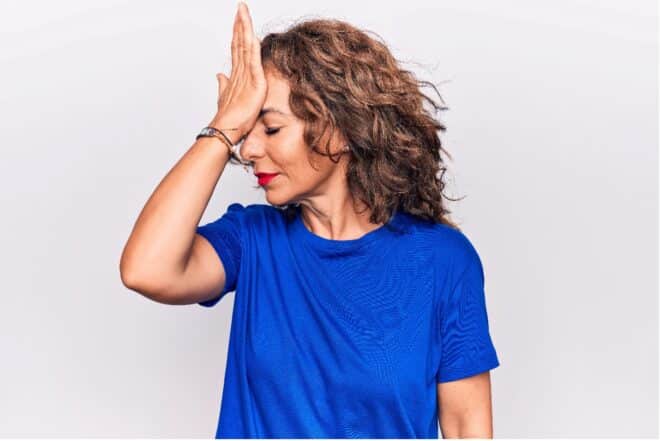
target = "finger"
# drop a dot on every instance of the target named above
(255, 57)
(244, 40)
(222, 84)
(234, 43)
(241, 42)
(247, 27)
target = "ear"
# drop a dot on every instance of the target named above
(339, 143)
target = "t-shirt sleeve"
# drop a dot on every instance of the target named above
(224, 234)
(467, 347)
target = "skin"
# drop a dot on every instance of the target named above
(464, 407)
(322, 190)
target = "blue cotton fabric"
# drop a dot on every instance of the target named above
(345, 338)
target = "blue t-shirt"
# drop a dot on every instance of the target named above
(345, 338)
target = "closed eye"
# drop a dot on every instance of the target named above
(272, 131)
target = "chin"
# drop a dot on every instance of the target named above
(273, 199)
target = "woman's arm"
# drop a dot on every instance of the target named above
(464, 407)
(157, 249)
(156, 259)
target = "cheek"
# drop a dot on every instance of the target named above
(291, 158)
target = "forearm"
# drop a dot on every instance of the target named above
(158, 246)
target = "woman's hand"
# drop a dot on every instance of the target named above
(241, 96)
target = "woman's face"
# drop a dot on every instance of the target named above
(275, 145)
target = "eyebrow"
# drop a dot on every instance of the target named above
(270, 109)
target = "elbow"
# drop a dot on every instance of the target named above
(127, 272)
(133, 281)
(141, 285)
(151, 281)
(128, 279)
(136, 280)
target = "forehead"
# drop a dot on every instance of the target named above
(278, 92)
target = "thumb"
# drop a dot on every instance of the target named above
(222, 83)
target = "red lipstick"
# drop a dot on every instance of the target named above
(265, 178)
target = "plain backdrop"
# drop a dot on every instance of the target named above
(553, 127)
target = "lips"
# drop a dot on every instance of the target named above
(265, 178)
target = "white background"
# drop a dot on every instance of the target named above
(553, 128)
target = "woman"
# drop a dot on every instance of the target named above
(360, 307)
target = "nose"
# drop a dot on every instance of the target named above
(252, 148)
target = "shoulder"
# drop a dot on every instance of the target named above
(453, 248)
(249, 209)
(447, 238)
(256, 214)
(455, 242)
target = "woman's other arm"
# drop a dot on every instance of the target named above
(465, 407)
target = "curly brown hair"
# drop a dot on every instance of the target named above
(343, 79)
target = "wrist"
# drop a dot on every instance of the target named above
(230, 129)
(216, 145)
